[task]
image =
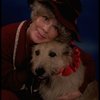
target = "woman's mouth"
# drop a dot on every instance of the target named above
(41, 34)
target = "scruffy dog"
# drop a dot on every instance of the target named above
(48, 62)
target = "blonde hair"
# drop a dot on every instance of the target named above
(40, 10)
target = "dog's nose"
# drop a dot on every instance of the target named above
(40, 71)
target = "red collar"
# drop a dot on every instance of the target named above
(75, 65)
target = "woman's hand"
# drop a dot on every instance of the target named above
(70, 96)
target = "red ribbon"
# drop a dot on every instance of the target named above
(75, 65)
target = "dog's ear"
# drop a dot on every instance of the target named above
(67, 50)
(63, 38)
(64, 35)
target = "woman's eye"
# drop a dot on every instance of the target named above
(46, 18)
(52, 54)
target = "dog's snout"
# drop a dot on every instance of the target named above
(39, 71)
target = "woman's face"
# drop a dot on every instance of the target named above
(43, 29)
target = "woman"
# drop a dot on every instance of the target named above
(47, 17)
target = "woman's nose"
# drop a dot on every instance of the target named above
(46, 27)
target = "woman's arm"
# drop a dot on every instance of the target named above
(10, 79)
(90, 69)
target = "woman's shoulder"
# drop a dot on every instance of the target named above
(85, 56)
(10, 27)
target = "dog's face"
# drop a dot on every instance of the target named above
(50, 58)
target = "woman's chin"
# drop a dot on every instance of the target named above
(36, 40)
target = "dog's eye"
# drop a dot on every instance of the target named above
(52, 54)
(37, 52)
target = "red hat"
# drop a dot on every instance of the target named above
(66, 12)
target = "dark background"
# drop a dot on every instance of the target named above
(17, 10)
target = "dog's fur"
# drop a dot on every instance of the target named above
(57, 84)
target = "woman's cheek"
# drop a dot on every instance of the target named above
(53, 35)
